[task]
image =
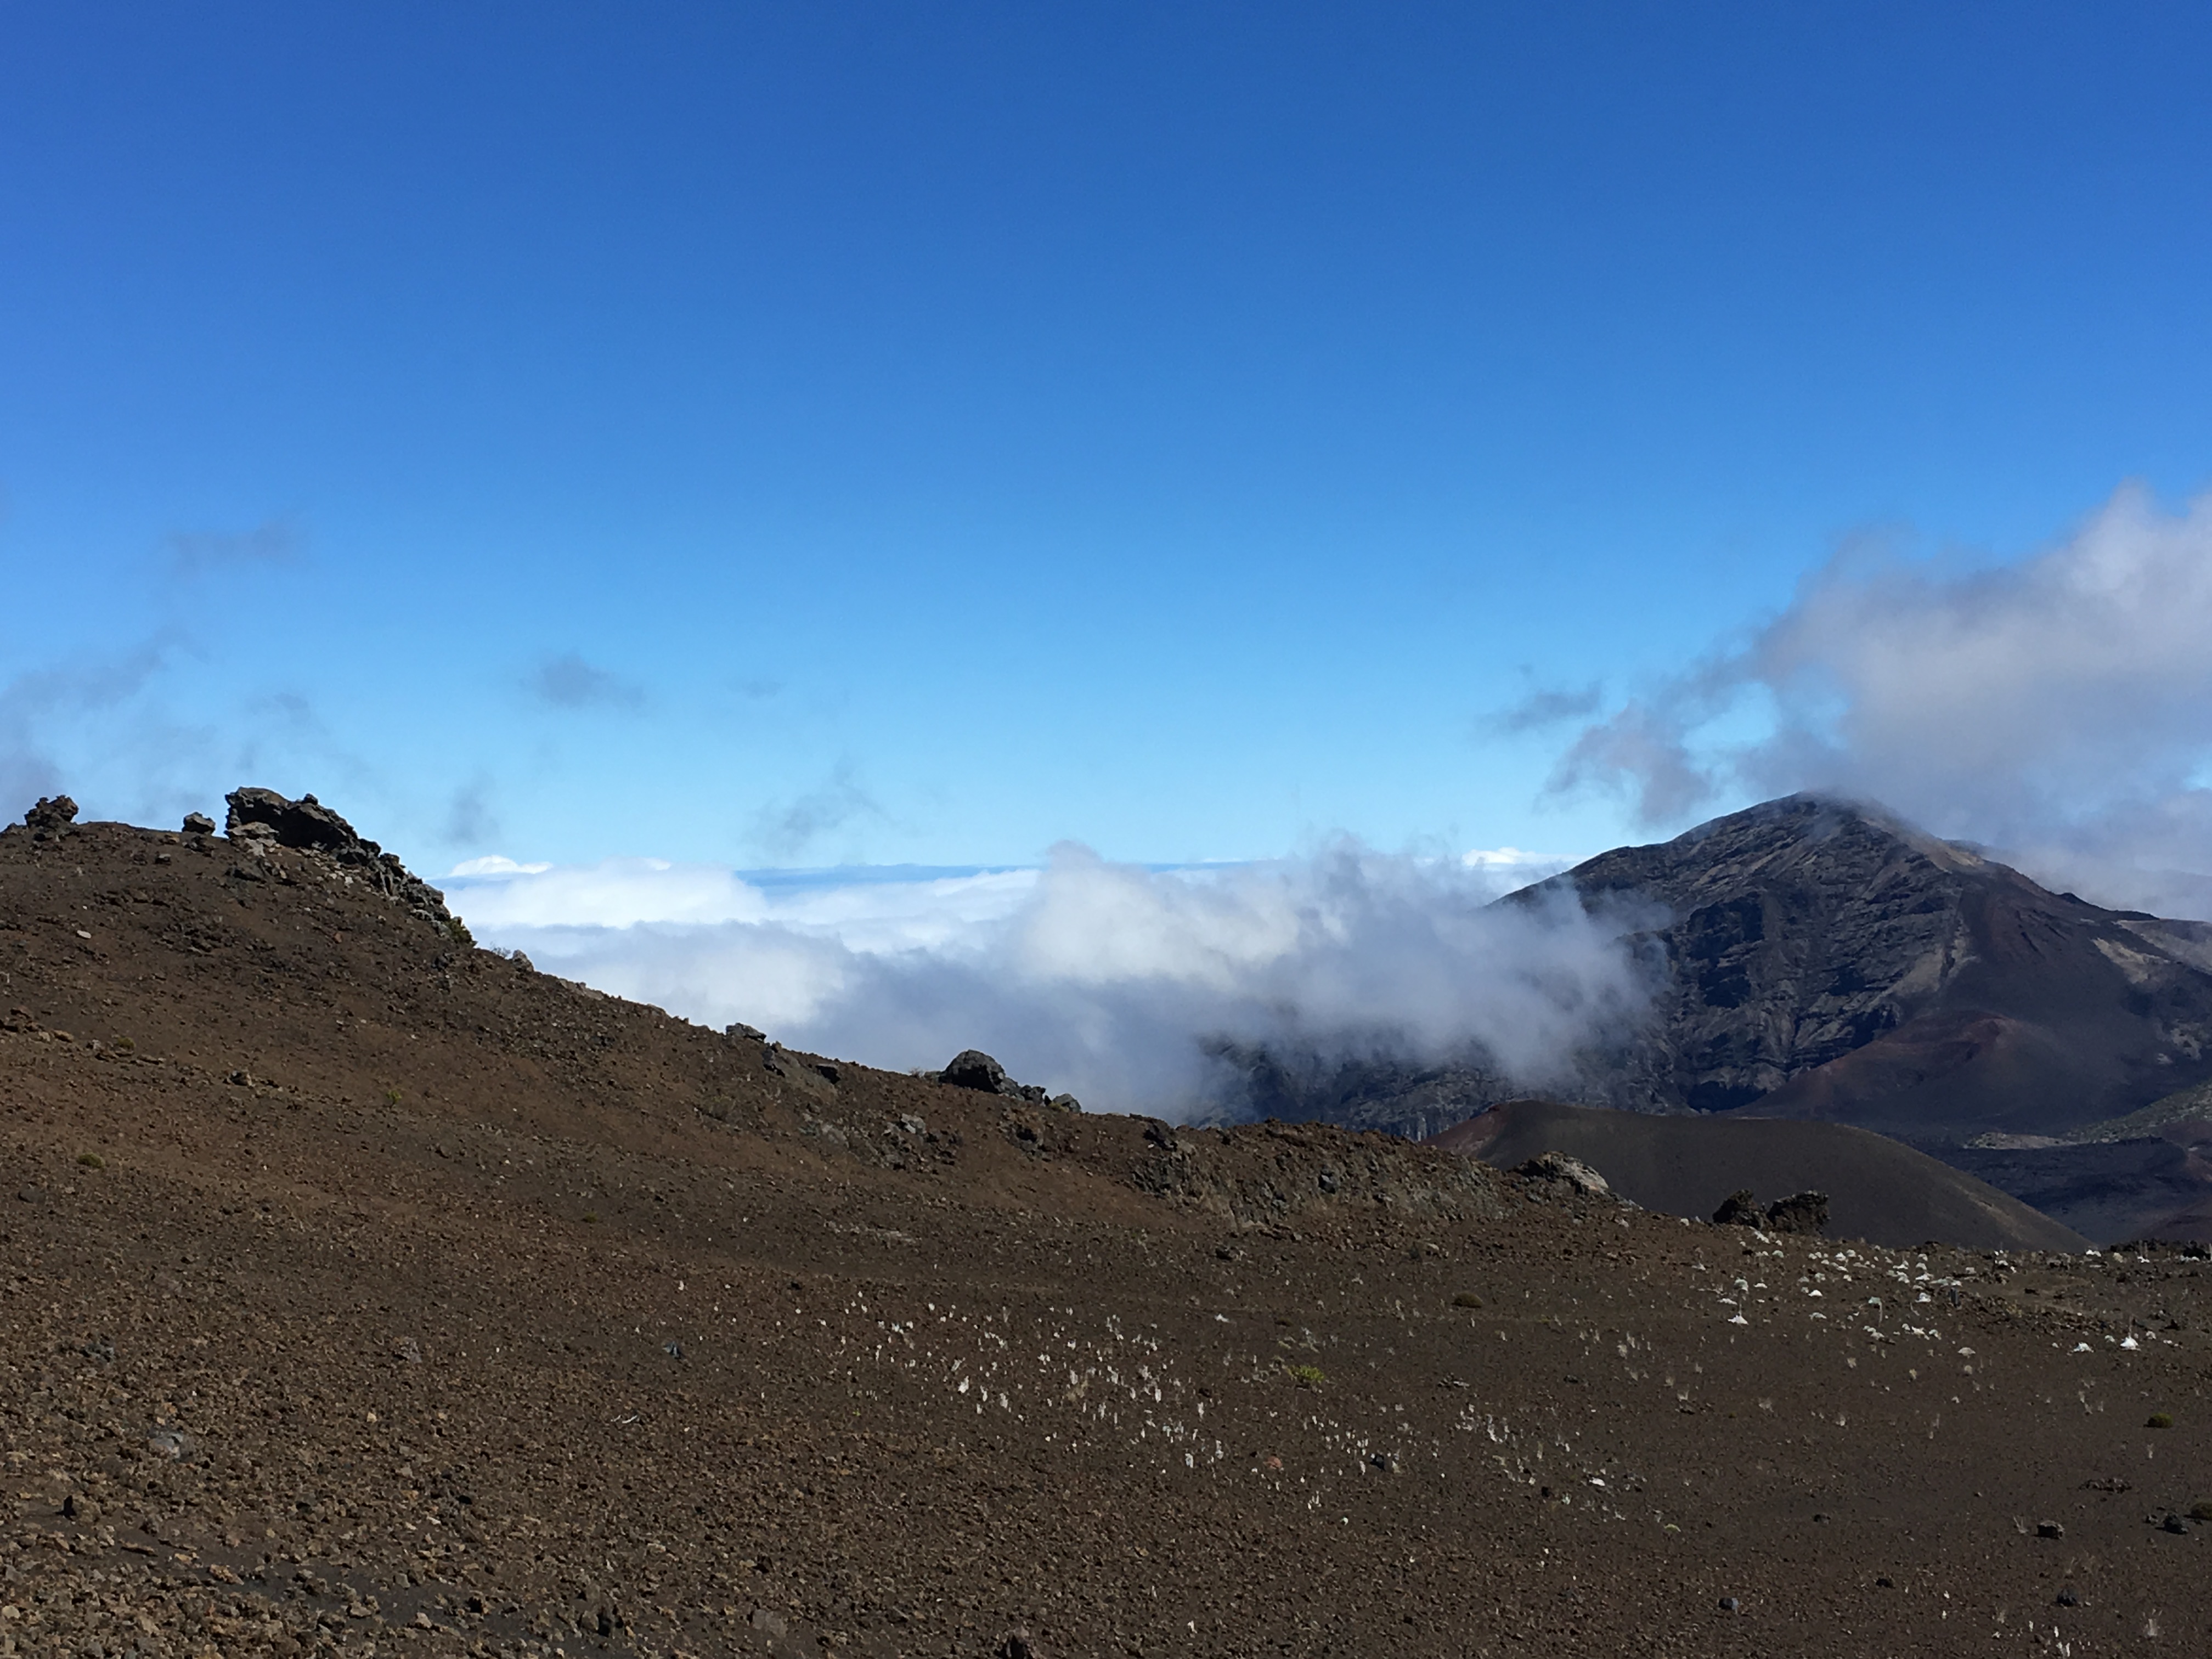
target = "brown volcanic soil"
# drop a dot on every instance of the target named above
(1877, 1189)
(363, 1332)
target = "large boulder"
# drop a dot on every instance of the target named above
(971, 1068)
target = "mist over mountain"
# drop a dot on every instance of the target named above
(2055, 707)
(1814, 958)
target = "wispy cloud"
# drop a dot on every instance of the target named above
(568, 681)
(281, 540)
(39, 706)
(470, 820)
(788, 830)
(1545, 707)
(2059, 708)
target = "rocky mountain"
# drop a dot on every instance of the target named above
(1815, 959)
(1822, 959)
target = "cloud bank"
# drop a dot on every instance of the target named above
(1105, 979)
(2059, 709)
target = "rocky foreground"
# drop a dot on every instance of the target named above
(364, 1292)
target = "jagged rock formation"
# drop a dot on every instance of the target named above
(261, 820)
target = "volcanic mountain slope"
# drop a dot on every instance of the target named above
(1815, 959)
(361, 1289)
(1824, 960)
(1876, 1187)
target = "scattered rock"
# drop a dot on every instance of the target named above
(1019, 1644)
(971, 1068)
(2050, 1529)
(1730, 1604)
(2067, 1596)
(198, 823)
(2174, 1524)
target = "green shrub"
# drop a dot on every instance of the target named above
(1306, 1376)
(1467, 1299)
(92, 1160)
(2160, 1420)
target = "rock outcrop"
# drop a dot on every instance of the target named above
(50, 814)
(260, 821)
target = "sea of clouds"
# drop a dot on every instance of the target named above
(1109, 979)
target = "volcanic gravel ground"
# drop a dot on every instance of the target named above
(362, 1291)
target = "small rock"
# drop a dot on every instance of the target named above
(409, 1350)
(1064, 1103)
(2050, 1529)
(1730, 1604)
(1019, 1644)
(31, 1194)
(769, 1620)
(198, 823)
(2174, 1524)
(2067, 1596)
(740, 1029)
(673, 1349)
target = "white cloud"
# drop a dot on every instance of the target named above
(1102, 978)
(2059, 708)
(496, 865)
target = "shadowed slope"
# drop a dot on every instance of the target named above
(1877, 1189)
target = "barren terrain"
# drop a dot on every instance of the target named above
(361, 1290)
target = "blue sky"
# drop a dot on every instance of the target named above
(803, 435)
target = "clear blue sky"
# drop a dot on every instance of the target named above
(808, 433)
